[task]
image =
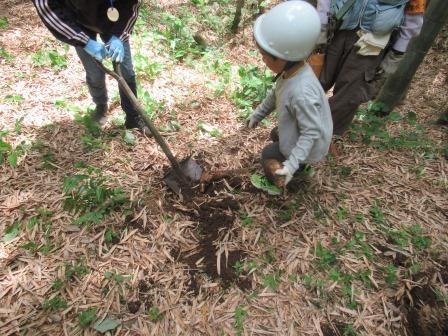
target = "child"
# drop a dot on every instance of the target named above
(286, 36)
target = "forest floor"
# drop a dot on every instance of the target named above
(92, 240)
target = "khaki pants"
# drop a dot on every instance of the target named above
(352, 76)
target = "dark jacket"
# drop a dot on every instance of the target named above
(75, 21)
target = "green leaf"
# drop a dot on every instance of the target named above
(106, 325)
(261, 182)
(13, 158)
(11, 232)
(3, 22)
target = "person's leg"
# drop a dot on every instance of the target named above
(274, 134)
(96, 82)
(354, 85)
(334, 59)
(271, 160)
(133, 119)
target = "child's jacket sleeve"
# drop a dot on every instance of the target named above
(308, 115)
(266, 106)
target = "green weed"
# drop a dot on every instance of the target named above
(78, 269)
(54, 303)
(341, 213)
(117, 278)
(271, 281)
(239, 315)
(110, 235)
(251, 89)
(3, 22)
(57, 284)
(50, 58)
(325, 256)
(86, 317)
(377, 215)
(89, 196)
(18, 125)
(246, 220)
(238, 268)
(14, 98)
(154, 314)
(6, 55)
(390, 275)
(11, 232)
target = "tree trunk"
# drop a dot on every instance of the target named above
(397, 83)
(237, 18)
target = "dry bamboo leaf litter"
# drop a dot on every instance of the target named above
(146, 245)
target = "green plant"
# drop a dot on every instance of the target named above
(261, 182)
(154, 314)
(31, 246)
(359, 246)
(178, 37)
(110, 235)
(11, 232)
(326, 257)
(239, 315)
(212, 131)
(50, 57)
(14, 98)
(86, 317)
(251, 89)
(89, 196)
(246, 220)
(117, 278)
(418, 240)
(377, 215)
(57, 284)
(145, 68)
(441, 296)
(349, 330)
(272, 281)
(54, 303)
(78, 268)
(341, 213)
(6, 55)
(390, 275)
(3, 22)
(238, 268)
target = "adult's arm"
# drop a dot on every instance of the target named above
(60, 21)
(129, 11)
(411, 27)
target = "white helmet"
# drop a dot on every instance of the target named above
(289, 30)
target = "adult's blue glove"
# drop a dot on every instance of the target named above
(115, 49)
(95, 49)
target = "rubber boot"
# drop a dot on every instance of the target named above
(99, 115)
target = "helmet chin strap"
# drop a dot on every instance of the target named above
(288, 65)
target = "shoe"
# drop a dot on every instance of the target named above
(99, 115)
(137, 123)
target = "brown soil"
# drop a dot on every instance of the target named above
(215, 218)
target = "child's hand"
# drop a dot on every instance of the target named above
(251, 122)
(284, 172)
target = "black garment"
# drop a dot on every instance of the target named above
(352, 75)
(73, 21)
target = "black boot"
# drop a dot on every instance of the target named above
(137, 122)
(99, 115)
